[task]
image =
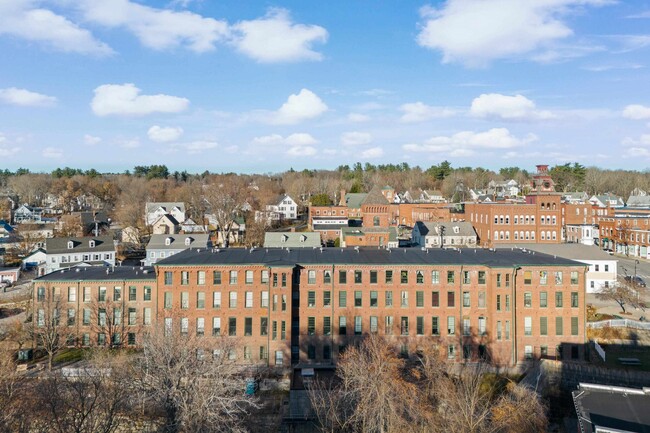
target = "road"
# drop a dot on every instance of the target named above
(626, 266)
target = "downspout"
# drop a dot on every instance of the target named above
(268, 320)
(513, 333)
(460, 322)
(332, 297)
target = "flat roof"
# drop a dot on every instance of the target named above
(618, 408)
(364, 255)
(101, 273)
(568, 251)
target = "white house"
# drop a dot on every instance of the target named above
(607, 200)
(154, 210)
(36, 259)
(28, 214)
(166, 245)
(72, 251)
(586, 234)
(285, 206)
(503, 188)
(447, 234)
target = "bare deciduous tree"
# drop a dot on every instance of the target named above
(50, 332)
(624, 293)
(225, 199)
(199, 385)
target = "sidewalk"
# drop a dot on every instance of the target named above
(612, 308)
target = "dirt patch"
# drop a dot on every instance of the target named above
(10, 312)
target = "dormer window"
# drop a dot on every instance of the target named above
(168, 241)
(303, 238)
(284, 238)
(70, 245)
(456, 229)
(188, 241)
(91, 244)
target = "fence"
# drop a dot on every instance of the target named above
(619, 323)
(599, 350)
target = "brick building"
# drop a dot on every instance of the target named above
(307, 305)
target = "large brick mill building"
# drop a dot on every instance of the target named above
(306, 305)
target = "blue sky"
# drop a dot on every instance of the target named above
(262, 86)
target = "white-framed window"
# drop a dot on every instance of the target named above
(249, 300)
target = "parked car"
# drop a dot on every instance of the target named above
(635, 280)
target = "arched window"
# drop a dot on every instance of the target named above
(516, 235)
(375, 221)
(543, 237)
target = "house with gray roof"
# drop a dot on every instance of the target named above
(154, 210)
(73, 251)
(443, 234)
(292, 240)
(161, 246)
(607, 200)
(639, 201)
(574, 197)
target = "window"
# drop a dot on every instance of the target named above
(200, 277)
(216, 326)
(248, 277)
(327, 325)
(248, 301)
(451, 299)
(248, 326)
(507, 302)
(343, 329)
(450, 277)
(404, 325)
(451, 351)
(311, 298)
(284, 302)
(528, 299)
(72, 316)
(279, 357)
(543, 326)
(528, 352)
(185, 278)
(357, 277)
(558, 326)
(185, 325)
(357, 298)
(388, 324)
(233, 278)
(389, 298)
(419, 299)
(264, 354)
(482, 325)
(232, 326)
(389, 277)
(481, 277)
(185, 300)
(232, 303)
(465, 299)
(373, 324)
(216, 277)
(146, 313)
(451, 325)
(574, 278)
(574, 299)
(275, 280)
(507, 280)
(543, 277)
(466, 326)
(72, 294)
(558, 278)
(327, 298)
(168, 278)
(528, 325)
(86, 316)
(528, 277)
(507, 330)
(357, 325)
(543, 299)
(435, 326)
(404, 299)
(373, 277)
(404, 277)
(373, 298)
(498, 280)
(168, 300)
(558, 299)
(327, 277)
(435, 299)
(216, 299)
(86, 294)
(200, 300)
(498, 302)
(265, 277)
(606, 268)
(343, 277)
(133, 293)
(574, 326)
(311, 277)
(132, 320)
(264, 299)
(311, 351)
(419, 277)
(466, 277)
(168, 326)
(102, 294)
(200, 326)
(311, 325)
(435, 277)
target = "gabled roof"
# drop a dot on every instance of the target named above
(178, 242)
(40, 250)
(457, 228)
(6, 226)
(375, 197)
(278, 201)
(79, 245)
(167, 217)
(292, 239)
(638, 201)
(167, 206)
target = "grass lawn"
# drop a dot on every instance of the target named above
(69, 355)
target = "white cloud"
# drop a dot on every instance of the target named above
(373, 152)
(164, 134)
(355, 138)
(125, 100)
(504, 107)
(299, 107)
(636, 112)
(268, 139)
(420, 112)
(198, 146)
(300, 139)
(91, 140)
(302, 151)
(644, 14)
(467, 143)
(358, 117)
(52, 152)
(25, 98)
(24, 20)
(475, 32)
(129, 143)
(7, 150)
(159, 29)
(275, 38)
